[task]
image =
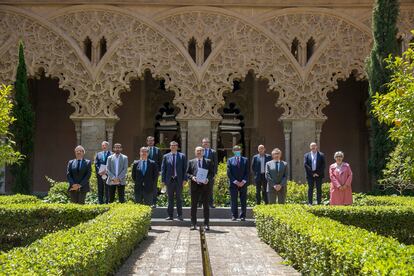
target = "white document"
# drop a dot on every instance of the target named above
(102, 168)
(201, 175)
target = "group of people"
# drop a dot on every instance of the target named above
(270, 176)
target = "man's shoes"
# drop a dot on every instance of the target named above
(153, 206)
(199, 205)
(193, 227)
(169, 218)
(233, 218)
(242, 219)
(207, 227)
(212, 206)
(180, 218)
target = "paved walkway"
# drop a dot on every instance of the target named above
(239, 251)
(168, 250)
(173, 250)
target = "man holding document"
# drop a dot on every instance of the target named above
(200, 172)
(100, 169)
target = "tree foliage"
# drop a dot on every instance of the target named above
(7, 153)
(22, 128)
(384, 25)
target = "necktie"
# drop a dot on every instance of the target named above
(174, 172)
(79, 166)
(199, 163)
(144, 167)
(151, 152)
(277, 166)
(238, 162)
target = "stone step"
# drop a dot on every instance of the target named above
(213, 222)
(215, 213)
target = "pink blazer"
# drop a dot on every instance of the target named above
(341, 177)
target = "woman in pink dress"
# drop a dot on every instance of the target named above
(341, 179)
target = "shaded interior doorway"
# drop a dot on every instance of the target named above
(55, 136)
(146, 110)
(346, 129)
(259, 118)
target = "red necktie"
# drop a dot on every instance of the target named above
(238, 162)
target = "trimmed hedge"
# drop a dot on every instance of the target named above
(96, 247)
(363, 200)
(18, 198)
(322, 246)
(392, 221)
(21, 224)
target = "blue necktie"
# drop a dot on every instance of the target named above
(174, 172)
(199, 163)
(151, 152)
(144, 167)
(79, 165)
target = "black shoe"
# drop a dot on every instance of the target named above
(153, 206)
(212, 206)
(169, 218)
(193, 227)
(200, 204)
(233, 218)
(180, 218)
(206, 227)
(242, 219)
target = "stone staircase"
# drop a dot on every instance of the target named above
(220, 216)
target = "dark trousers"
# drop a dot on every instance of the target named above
(102, 190)
(234, 194)
(261, 187)
(121, 193)
(155, 193)
(314, 181)
(77, 197)
(175, 190)
(210, 198)
(143, 196)
(200, 191)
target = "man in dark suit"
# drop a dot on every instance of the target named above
(314, 162)
(100, 160)
(144, 173)
(78, 173)
(238, 174)
(174, 175)
(154, 154)
(259, 168)
(211, 154)
(199, 187)
(276, 177)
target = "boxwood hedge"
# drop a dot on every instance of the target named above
(364, 200)
(393, 221)
(322, 246)
(96, 247)
(13, 199)
(21, 224)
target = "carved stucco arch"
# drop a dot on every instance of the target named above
(240, 45)
(47, 49)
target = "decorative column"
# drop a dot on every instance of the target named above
(287, 130)
(196, 130)
(90, 133)
(318, 131)
(214, 133)
(78, 131)
(110, 126)
(183, 134)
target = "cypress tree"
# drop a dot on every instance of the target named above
(384, 30)
(22, 129)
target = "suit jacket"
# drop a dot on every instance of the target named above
(256, 166)
(239, 173)
(101, 159)
(276, 176)
(80, 177)
(193, 168)
(320, 164)
(180, 167)
(149, 178)
(156, 156)
(212, 155)
(122, 169)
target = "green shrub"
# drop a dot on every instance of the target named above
(322, 246)
(392, 221)
(96, 247)
(367, 200)
(18, 198)
(21, 224)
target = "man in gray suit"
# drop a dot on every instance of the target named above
(117, 168)
(276, 177)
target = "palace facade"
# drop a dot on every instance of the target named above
(272, 72)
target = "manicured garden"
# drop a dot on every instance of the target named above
(44, 239)
(375, 238)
